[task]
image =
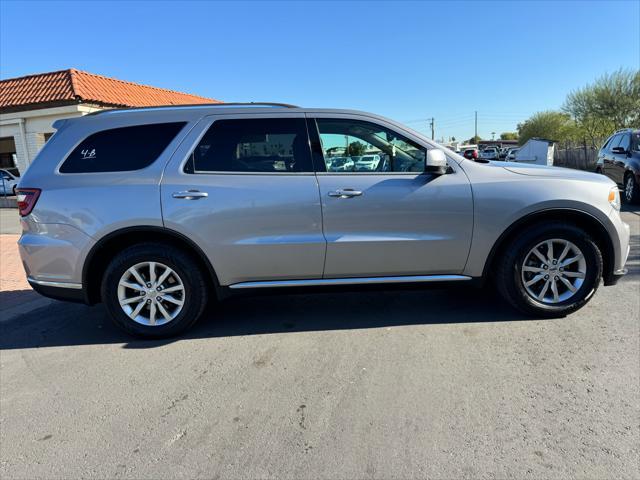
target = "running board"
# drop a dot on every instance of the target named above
(350, 281)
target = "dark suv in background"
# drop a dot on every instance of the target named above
(619, 159)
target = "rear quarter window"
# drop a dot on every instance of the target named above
(121, 149)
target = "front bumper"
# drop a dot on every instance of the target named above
(621, 250)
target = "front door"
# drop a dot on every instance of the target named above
(382, 215)
(244, 190)
(619, 159)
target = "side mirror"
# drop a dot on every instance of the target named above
(619, 150)
(436, 162)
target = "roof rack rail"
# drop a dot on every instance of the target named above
(217, 104)
(624, 130)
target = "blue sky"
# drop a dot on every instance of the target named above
(406, 60)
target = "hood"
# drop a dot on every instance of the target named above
(554, 172)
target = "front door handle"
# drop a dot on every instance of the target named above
(345, 193)
(190, 194)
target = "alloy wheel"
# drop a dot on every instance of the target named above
(151, 293)
(629, 187)
(553, 271)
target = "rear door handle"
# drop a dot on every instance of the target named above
(190, 194)
(345, 193)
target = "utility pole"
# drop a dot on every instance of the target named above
(476, 135)
(433, 128)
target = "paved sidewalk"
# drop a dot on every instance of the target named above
(16, 296)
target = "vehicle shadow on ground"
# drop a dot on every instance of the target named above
(64, 324)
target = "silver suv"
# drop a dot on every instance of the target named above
(155, 211)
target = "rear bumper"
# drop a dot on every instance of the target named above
(70, 292)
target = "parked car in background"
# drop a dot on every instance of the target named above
(619, 159)
(511, 154)
(341, 164)
(154, 211)
(367, 163)
(490, 153)
(471, 154)
(8, 182)
(503, 152)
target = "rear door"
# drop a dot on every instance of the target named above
(243, 188)
(387, 218)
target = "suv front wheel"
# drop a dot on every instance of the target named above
(550, 270)
(154, 291)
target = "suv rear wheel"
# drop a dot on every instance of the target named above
(154, 291)
(550, 270)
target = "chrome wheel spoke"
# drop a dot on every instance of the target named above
(132, 286)
(535, 279)
(127, 301)
(569, 285)
(571, 260)
(164, 312)
(133, 271)
(152, 273)
(164, 276)
(540, 296)
(528, 268)
(176, 288)
(567, 247)
(537, 253)
(171, 299)
(550, 250)
(554, 290)
(137, 310)
(573, 274)
(152, 313)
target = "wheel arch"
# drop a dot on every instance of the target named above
(582, 219)
(98, 257)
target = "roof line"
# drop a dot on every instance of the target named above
(218, 104)
(75, 71)
(35, 75)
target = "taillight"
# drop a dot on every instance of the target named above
(27, 198)
(475, 154)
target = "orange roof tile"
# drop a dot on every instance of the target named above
(76, 86)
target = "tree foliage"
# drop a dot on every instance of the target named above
(474, 140)
(610, 103)
(356, 149)
(550, 124)
(509, 136)
(591, 113)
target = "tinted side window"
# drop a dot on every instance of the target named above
(359, 146)
(615, 140)
(253, 145)
(625, 142)
(121, 149)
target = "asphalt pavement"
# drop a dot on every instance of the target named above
(410, 384)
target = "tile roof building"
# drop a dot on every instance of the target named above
(29, 105)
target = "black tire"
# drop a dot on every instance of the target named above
(190, 273)
(508, 274)
(634, 197)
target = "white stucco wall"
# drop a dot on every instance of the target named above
(28, 128)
